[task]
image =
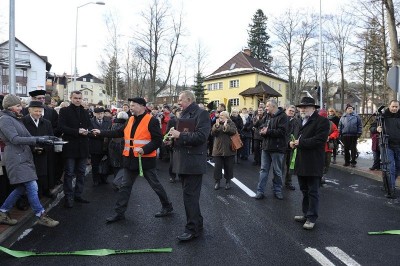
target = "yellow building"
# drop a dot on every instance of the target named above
(244, 82)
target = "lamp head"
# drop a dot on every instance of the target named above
(100, 3)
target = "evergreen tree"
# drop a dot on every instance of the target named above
(258, 38)
(199, 89)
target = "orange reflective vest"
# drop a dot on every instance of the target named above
(142, 137)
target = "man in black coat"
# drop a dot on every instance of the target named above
(310, 145)
(142, 135)
(98, 146)
(39, 126)
(75, 124)
(190, 159)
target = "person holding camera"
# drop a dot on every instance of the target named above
(18, 160)
(390, 127)
(222, 153)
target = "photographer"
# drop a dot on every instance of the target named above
(390, 127)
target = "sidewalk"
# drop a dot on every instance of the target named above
(26, 218)
(362, 168)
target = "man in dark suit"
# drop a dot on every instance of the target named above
(39, 126)
(98, 147)
(75, 124)
(309, 165)
(190, 159)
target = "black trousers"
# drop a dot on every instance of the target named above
(95, 160)
(226, 163)
(287, 173)
(309, 186)
(257, 150)
(350, 149)
(191, 185)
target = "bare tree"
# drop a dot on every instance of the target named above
(159, 41)
(339, 31)
(295, 32)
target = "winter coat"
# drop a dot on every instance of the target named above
(44, 128)
(350, 125)
(333, 135)
(190, 149)
(116, 145)
(72, 118)
(222, 139)
(238, 123)
(49, 114)
(275, 140)
(131, 162)
(391, 127)
(17, 156)
(311, 149)
(257, 123)
(247, 127)
(98, 144)
(335, 119)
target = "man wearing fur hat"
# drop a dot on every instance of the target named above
(142, 137)
(350, 129)
(309, 165)
(39, 126)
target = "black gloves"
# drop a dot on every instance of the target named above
(45, 140)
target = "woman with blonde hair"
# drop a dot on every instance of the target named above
(222, 152)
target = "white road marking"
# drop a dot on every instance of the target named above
(242, 186)
(341, 255)
(223, 200)
(319, 257)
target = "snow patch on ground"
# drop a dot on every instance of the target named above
(364, 148)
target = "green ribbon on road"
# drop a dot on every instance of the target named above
(94, 252)
(140, 166)
(388, 232)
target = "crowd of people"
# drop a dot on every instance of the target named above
(299, 140)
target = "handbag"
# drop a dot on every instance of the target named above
(236, 142)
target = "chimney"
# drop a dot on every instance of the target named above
(247, 51)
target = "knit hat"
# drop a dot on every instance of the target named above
(348, 106)
(10, 100)
(323, 113)
(138, 100)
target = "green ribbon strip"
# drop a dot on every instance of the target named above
(166, 136)
(140, 166)
(94, 252)
(388, 232)
(293, 160)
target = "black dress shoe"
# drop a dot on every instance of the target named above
(68, 203)
(228, 185)
(164, 212)
(81, 200)
(186, 236)
(115, 218)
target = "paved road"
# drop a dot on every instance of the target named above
(238, 229)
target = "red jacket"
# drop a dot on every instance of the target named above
(333, 134)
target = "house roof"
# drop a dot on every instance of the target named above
(261, 89)
(90, 76)
(44, 58)
(241, 64)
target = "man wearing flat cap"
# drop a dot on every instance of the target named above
(98, 146)
(310, 144)
(142, 137)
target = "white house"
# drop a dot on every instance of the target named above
(31, 69)
(92, 88)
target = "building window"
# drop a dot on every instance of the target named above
(91, 80)
(85, 93)
(234, 102)
(234, 83)
(216, 103)
(5, 71)
(215, 86)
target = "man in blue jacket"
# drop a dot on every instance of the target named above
(350, 129)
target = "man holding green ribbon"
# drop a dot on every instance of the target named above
(142, 135)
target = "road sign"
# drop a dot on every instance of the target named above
(393, 78)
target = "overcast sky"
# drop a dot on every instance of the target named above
(48, 26)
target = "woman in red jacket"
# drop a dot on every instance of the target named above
(329, 146)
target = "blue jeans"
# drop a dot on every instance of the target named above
(276, 160)
(31, 189)
(393, 155)
(74, 167)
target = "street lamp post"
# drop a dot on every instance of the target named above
(76, 35)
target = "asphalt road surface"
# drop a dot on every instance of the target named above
(238, 230)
